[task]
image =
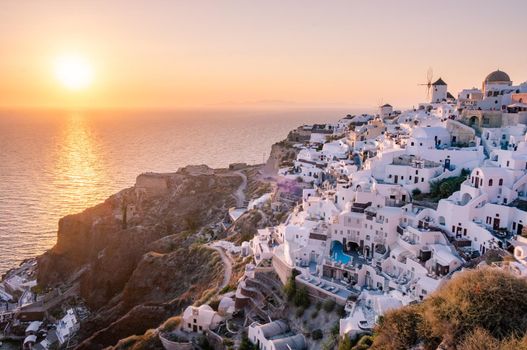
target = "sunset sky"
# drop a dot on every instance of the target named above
(172, 54)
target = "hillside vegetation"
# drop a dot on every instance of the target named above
(477, 310)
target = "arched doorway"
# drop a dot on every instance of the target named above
(465, 198)
(352, 246)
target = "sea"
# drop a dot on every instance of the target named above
(55, 163)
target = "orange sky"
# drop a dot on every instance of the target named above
(171, 54)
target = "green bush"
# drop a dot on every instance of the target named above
(299, 312)
(245, 344)
(317, 334)
(329, 305)
(341, 312)
(301, 298)
(345, 343)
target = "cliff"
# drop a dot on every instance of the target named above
(137, 257)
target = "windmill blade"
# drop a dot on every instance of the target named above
(429, 75)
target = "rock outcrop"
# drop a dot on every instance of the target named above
(137, 256)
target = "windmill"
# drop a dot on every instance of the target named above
(429, 77)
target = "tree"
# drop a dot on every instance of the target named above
(290, 288)
(301, 298)
(345, 343)
(317, 334)
(329, 305)
(246, 344)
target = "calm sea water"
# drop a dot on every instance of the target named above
(57, 163)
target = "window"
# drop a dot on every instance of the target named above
(490, 182)
(500, 182)
(417, 172)
(411, 144)
(422, 179)
(508, 162)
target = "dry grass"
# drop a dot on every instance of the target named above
(484, 300)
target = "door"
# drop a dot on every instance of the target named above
(395, 178)
(447, 163)
(496, 224)
(477, 182)
(519, 230)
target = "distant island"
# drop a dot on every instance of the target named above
(403, 229)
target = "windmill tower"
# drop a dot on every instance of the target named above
(439, 91)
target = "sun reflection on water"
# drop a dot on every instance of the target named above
(80, 169)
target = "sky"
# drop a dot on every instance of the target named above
(185, 54)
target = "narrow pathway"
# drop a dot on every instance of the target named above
(240, 192)
(227, 263)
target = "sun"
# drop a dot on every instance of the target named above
(74, 72)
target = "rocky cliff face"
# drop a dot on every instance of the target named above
(137, 253)
(283, 153)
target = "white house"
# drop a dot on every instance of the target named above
(200, 319)
(275, 335)
(67, 326)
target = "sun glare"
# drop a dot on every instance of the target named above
(74, 72)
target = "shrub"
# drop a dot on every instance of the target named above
(227, 288)
(317, 334)
(171, 324)
(341, 312)
(399, 329)
(416, 192)
(290, 286)
(336, 328)
(474, 304)
(299, 312)
(314, 314)
(345, 343)
(245, 344)
(301, 298)
(329, 305)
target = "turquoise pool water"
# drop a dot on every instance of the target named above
(337, 253)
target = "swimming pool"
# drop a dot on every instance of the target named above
(337, 253)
